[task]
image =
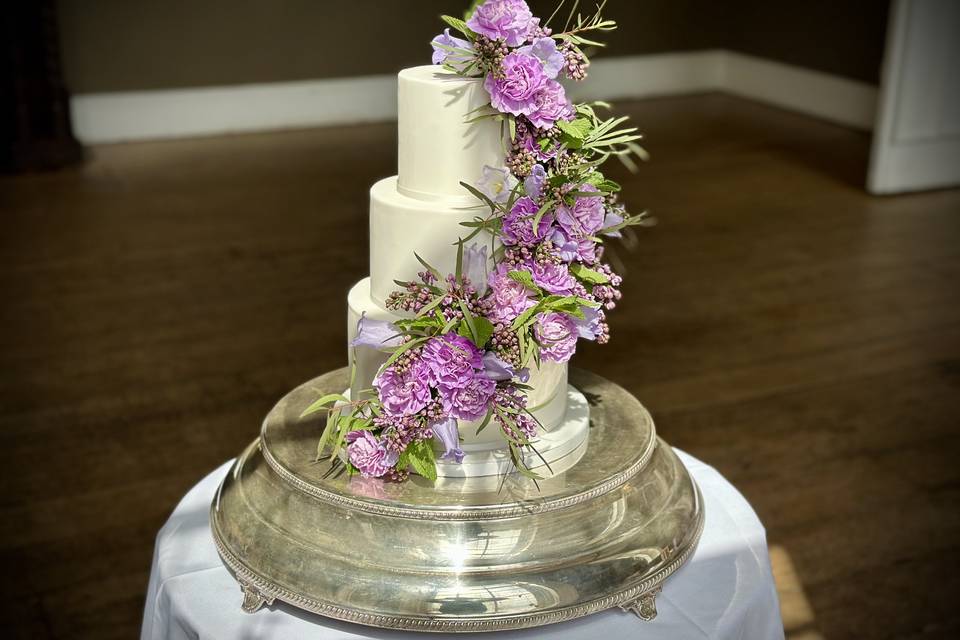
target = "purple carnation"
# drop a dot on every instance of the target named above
(518, 224)
(471, 401)
(369, 455)
(510, 298)
(586, 215)
(442, 53)
(557, 335)
(515, 90)
(450, 360)
(553, 278)
(533, 183)
(550, 104)
(570, 249)
(545, 49)
(403, 394)
(507, 20)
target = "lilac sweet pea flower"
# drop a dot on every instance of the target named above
(515, 89)
(369, 455)
(533, 183)
(612, 219)
(496, 184)
(588, 327)
(550, 104)
(475, 267)
(442, 53)
(499, 370)
(376, 333)
(545, 49)
(570, 249)
(449, 436)
(557, 336)
(507, 20)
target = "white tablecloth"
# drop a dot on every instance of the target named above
(724, 591)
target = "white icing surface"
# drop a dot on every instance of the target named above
(401, 226)
(437, 147)
(561, 447)
(546, 398)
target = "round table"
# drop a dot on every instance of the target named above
(724, 591)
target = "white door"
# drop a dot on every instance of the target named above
(916, 142)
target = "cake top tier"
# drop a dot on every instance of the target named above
(437, 146)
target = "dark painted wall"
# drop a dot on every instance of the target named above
(118, 45)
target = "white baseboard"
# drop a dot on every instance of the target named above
(175, 113)
(662, 74)
(178, 113)
(840, 100)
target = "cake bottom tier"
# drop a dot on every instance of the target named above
(547, 399)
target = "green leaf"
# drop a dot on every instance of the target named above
(484, 331)
(587, 275)
(540, 213)
(406, 346)
(486, 421)
(524, 278)
(468, 318)
(459, 25)
(318, 404)
(428, 267)
(328, 430)
(524, 317)
(433, 304)
(480, 195)
(422, 459)
(557, 181)
(577, 129)
(458, 272)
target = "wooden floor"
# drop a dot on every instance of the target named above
(783, 326)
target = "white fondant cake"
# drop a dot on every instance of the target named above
(420, 211)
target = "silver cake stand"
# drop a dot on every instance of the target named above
(477, 554)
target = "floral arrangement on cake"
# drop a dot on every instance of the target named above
(468, 339)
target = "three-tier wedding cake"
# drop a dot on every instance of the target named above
(419, 212)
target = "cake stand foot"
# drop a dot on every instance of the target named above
(644, 605)
(253, 598)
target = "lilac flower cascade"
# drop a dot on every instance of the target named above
(464, 350)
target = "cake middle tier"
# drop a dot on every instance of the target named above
(547, 399)
(401, 226)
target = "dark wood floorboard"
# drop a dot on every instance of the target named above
(785, 327)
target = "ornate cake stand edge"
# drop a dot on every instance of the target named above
(639, 599)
